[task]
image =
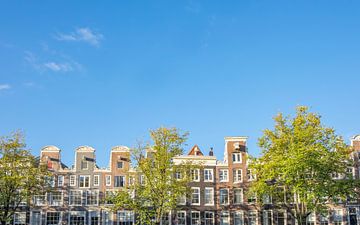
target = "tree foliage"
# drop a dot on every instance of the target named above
(21, 176)
(303, 165)
(158, 193)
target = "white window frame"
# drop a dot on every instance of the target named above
(106, 217)
(81, 213)
(213, 217)
(60, 180)
(242, 196)
(228, 200)
(335, 216)
(198, 189)
(96, 194)
(212, 196)
(23, 217)
(211, 173)
(265, 212)
(241, 214)
(128, 214)
(195, 173)
(235, 175)
(46, 215)
(85, 176)
(50, 201)
(81, 198)
(182, 200)
(121, 177)
(96, 213)
(96, 180)
(107, 180)
(256, 216)
(199, 218)
(227, 218)
(72, 180)
(177, 217)
(38, 222)
(238, 158)
(221, 175)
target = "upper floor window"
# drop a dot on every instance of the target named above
(96, 180)
(195, 218)
(178, 175)
(55, 198)
(250, 175)
(60, 180)
(236, 157)
(20, 218)
(182, 200)
(40, 200)
(75, 198)
(238, 196)
(223, 175)
(209, 196)
(120, 165)
(72, 180)
(84, 181)
(195, 175)
(195, 196)
(92, 197)
(108, 180)
(237, 175)
(208, 175)
(84, 165)
(53, 218)
(119, 181)
(224, 196)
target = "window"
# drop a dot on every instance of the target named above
(178, 175)
(209, 196)
(252, 218)
(84, 181)
(267, 199)
(96, 180)
(119, 181)
(238, 196)
(250, 175)
(40, 200)
(51, 181)
(236, 157)
(208, 175)
(224, 218)
(108, 180)
(60, 180)
(223, 175)
(55, 198)
(195, 175)
(310, 220)
(181, 218)
(108, 197)
(20, 218)
(338, 216)
(53, 218)
(35, 218)
(324, 219)
(251, 199)
(94, 218)
(267, 217)
(125, 218)
(77, 218)
(120, 165)
(142, 179)
(238, 218)
(72, 180)
(182, 200)
(165, 220)
(350, 171)
(237, 175)
(75, 198)
(84, 165)
(209, 218)
(195, 196)
(280, 218)
(195, 218)
(224, 196)
(92, 197)
(131, 180)
(106, 218)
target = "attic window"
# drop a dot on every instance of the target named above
(237, 146)
(120, 165)
(84, 165)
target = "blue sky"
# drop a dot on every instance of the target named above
(103, 74)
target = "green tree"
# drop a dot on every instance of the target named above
(21, 175)
(156, 191)
(303, 166)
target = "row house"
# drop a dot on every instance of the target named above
(219, 191)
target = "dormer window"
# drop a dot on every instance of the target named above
(120, 165)
(236, 157)
(84, 165)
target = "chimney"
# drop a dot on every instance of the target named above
(211, 152)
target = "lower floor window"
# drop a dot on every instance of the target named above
(280, 218)
(52, 218)
(195, 218)
(209, 218)
(310, 220)
(252, 218)
(35, 218)
(94, 218)
(20, 218)
(77, 218)
(224, 218)
(238, 218)
(165, 219)
(125, 218)
(181, 218)
(267, 217)
(106, 218)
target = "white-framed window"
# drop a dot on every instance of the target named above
(51, 181)
(120, 164)
(350, 171)
(237, 175)
(224, 218)
(267, 199)
(195, 196)
(142, 179)
(267, 217)
(75, 197)
(252, 218)
(60, 180)
(181, 217)
(182, 200)
(208, 175)
(106, 218)
(108, 180)
(238, 218)
(209, 218)
(195, 218)
(337, 217)
(94, 218)
(92, 197)
(77, 217)
(238, 196)
(195, 175)
(20, 218)
(209, 196)
(55, 198)
(125, 218)
(39, 200)
(223, 175)
(72, 180)
(84, 165)
(280, 217)
(224, 196)
(35, 218)
(53, 218)
(250, 175)
(236, 157)
(84, 181)
(96, 180)
(119, 181)
(178, 175)
(165, 219)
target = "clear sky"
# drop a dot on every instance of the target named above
(102, 74)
